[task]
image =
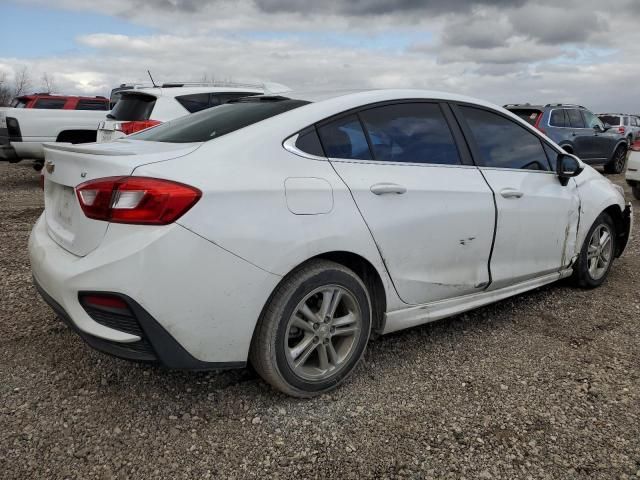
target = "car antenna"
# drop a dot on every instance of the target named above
(152, 82)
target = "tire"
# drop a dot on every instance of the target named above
(618, 162)
(636, 191)
(302, 354)
(584, 275)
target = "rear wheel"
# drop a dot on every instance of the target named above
(597, 254)
(618, 162)
(313, 331)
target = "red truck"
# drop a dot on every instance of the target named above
(60, 102)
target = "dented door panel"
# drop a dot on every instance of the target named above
(536, 231)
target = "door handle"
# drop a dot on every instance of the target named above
(511, 193)
(384, 188)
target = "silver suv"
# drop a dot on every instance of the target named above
(627, 125)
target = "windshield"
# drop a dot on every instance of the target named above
(215, 122)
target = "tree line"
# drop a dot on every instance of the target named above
(22, 84)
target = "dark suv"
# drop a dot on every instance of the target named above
(578, 131)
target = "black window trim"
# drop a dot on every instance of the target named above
(464, 153)
(475, 150)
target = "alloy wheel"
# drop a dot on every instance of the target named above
(323, 332)
(599, 251)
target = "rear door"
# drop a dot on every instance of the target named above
(537, 216)
(429, 210)
(581, 136)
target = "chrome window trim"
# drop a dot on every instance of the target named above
(290, 145)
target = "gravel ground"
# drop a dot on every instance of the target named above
(544, 385)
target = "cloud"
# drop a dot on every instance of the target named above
(500, 50)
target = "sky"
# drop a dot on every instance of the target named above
(503, 51)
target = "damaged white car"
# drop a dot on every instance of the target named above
(283, 230)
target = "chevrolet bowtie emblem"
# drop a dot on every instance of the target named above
(50, 167)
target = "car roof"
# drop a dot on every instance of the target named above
(378, 95)
(179, 91)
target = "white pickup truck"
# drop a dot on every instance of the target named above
(24, 130)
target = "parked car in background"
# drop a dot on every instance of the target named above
(50, 101)
(115, 92)
(284, 229)
(633, 170)
(578, 131)
(627, 125)
(143, 107)
(24, 130)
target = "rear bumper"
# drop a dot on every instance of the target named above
(195, 304)
(155, 345)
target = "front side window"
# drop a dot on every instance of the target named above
(344, 138)
(50, 103)
(503, 143)
(575, 118)
(410, 133)
(591, 120)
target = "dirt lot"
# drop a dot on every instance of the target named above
(545, 385)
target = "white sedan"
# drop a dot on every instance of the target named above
(284, 230)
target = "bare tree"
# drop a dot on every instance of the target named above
(22, 82)
(6, 93)
(48, 83)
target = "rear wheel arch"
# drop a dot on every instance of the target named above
(365, 270)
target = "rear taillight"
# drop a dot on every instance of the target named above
(537, 124)
(132, 127)
(621, 130)
(137, 200)
(635, 146)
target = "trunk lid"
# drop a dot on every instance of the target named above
(67, 166)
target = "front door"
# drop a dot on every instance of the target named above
(432, 217)
(537, 216)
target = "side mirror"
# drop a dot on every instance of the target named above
(567, 166)
(598, 128)
(607, 127)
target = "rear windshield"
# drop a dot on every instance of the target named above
(133, 106)
(610, 119)
(215, 122)
(528, 115)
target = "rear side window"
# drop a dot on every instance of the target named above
(195, 102)
(309, 142)
(529, 116)
(575, 118)
(216, 122)
(50, 103)
(92, 105)
(503, 143)
(626, 121)
(411, 133)
(344, 138)
(612, 120)
(558, 118)
(133, 106)
(220, 98)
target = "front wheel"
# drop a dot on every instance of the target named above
(314, 330)
(597, 254)
(618, 162)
